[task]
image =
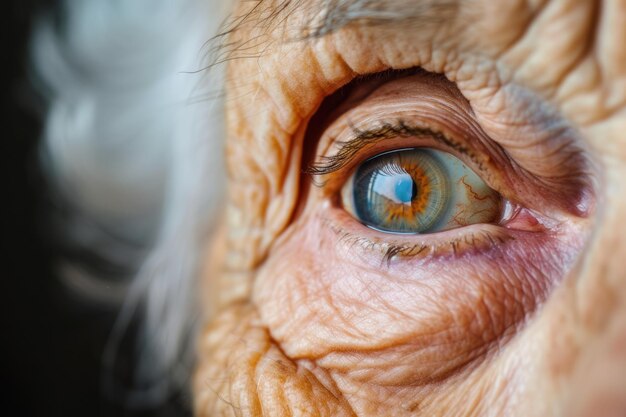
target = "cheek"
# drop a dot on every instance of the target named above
(404, 322)
(241, 371)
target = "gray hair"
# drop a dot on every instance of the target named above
(132, 148)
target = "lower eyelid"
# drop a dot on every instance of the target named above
(385, 247)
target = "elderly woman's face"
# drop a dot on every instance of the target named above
(440, 239)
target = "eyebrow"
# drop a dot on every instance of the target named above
(340, 13)
(329, 16)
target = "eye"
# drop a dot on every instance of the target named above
(419, 190)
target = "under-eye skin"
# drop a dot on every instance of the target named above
(418, 190)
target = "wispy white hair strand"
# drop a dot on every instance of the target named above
(137, 160)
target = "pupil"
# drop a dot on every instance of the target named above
(406, 189)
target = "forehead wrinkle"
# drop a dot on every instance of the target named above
(259, 25)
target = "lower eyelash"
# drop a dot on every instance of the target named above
(471, 242)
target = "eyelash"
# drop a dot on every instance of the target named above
(363, 138)
(476, 240)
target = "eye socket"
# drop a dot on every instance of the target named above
(419, 190)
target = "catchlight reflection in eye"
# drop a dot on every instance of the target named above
(419, 190)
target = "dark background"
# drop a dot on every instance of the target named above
(51, 343)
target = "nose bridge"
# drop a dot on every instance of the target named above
(579, 353)
(597, 387)
(601, 285)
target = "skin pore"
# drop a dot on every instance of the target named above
(524, 317)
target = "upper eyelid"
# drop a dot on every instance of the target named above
(361, 138)
(537, 161)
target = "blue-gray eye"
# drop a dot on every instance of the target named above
(419, 190)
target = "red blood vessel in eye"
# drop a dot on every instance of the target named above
(420, 190)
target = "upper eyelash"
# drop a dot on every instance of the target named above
(362, 138)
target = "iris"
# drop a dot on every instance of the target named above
(419, 190)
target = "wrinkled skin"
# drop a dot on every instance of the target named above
(530, 322)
